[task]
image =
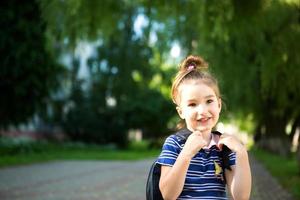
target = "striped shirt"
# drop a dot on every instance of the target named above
(204, 178)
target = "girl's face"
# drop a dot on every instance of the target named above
(198, 105)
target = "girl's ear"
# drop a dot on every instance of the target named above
(220, 104)
(179, 111)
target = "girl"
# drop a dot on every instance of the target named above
(192, 170)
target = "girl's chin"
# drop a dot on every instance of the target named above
(202, 128)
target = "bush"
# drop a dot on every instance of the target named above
(20, 145)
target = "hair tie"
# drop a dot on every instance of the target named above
(191, 67)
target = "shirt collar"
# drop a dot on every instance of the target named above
(213, 141)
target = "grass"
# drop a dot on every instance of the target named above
(27, 153)
(286, 170)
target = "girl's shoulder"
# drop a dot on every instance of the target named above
(178, 138)
(175, 140)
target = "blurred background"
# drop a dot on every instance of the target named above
(91, 79)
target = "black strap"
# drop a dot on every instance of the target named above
(224, 153)
(184, 133)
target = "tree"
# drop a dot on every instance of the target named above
(28, 72)
(120, 72)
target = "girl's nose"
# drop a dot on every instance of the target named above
(200, 109)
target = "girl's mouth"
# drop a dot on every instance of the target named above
(203, 120)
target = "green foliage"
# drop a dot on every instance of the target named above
(87, 122)
(77, 20)
(151, 112)
(28, 73)
(120, 72)
(12, 146)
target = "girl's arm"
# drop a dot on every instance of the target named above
(172, 178)
(239, 178)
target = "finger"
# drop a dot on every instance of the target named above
(220, 146)
(222, 141)
(198, 133)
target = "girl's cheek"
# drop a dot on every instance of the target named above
(217, 111)
(190, 112)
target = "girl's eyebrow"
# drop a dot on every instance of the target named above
(209, 96)
(206, 97)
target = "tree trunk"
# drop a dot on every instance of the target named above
(258, 133)
(295, 125)
(298, 156)
(275, 140)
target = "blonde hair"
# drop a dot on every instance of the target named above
(193, 68)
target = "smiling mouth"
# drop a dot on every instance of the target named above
(203, 120)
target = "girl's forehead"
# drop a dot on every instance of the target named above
(194, 84)
(195, 89)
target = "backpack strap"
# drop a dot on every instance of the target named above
(224, 154)
(183, 133)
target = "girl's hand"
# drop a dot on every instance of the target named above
(193, 144)
(231, 142)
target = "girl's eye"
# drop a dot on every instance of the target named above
(209, 101)
(191, 104)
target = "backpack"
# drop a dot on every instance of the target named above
(152, 185)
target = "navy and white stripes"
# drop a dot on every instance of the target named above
(201, 181)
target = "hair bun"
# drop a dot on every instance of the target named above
(193, 62)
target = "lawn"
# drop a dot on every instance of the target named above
(26, 153)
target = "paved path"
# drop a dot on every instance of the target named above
(102, 180)
(72, 180)
(264, 186)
